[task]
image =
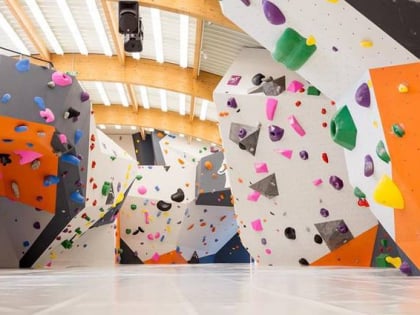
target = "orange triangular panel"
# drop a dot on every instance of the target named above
(357, 252)
(172, 257)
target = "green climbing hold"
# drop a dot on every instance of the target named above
(106, 188)
(67, 244)
(292, 49)
(398, 130)
(313, 91)
(139, 177)
(342, 129)
(381, 152)
(133, 206)
(78, 231)
(113, 158)
(128, 231)
(380, 261)
(359, 193)
(101, 209)
(384, 242)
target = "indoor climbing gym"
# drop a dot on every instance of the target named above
(202, 157)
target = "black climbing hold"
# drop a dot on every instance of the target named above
(179, 196)
(163, 206)
(257, 79)
(290, 233)
(71, 113)
(194, 259)
(318, 239)
(5, 159)
(303, 262)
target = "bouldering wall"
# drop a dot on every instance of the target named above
(56, 169)
(292, 194)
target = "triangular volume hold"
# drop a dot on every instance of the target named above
(267, 186)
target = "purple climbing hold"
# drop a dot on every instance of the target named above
(242, 133)
(246, 2)
(363, 95)
(304, 155)
(84, 96)
(336, 182)
(232, 102)
(342, 228)
(37, 225)
(369, 166)
(273, 13)
(406, 268)
(324, 212)
(275, 132)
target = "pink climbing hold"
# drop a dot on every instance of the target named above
(295, 86)
(146, 217)
(63, 138)
(157, 235)
(317, 182)
(150, 236)
(254, 196)
(47, 115)
(142, 190)
(261, 167)
(257, 225)
(270, 109)
(155, 257)
(286, 153)
(296, 126)
(27, 156)
(61, 79)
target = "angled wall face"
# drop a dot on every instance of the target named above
(293, 199)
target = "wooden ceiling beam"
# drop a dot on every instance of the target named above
(111, 19)
(25, 23)
(155, 118)
(132, 97)
(138, 72)
(197, 48)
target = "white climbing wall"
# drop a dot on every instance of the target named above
(338, 29)
(299, 200)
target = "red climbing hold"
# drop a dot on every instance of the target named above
(298, 103)
(323, 111)
(325, 157)
(363, 203)
(93, 164)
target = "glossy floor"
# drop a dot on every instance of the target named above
(208, 289)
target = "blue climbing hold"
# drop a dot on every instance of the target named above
(23, 65)
(78, 134)
(39, 101)
(70, 159)
(21, 128)
(6, 98)
(51, 180)
(77, 197)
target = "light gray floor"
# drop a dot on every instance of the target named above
(208, 289)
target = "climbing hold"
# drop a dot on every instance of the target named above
(155, 257)
(313, 91)
(232, 102)
(324, 212)
(26, 157)
(342, 129)
(67, 244)
(270, 108)
(273, 13)
(286, 153)
(290, 233)
(359, 193)
(61, 79)
(242, 133)
(254, 196)
(336, 182)
(36, 164)
(77, 197)
(257, 79)
(139, 177)
(246, 2)
(381, 152)
(398, 130)
(318, 239)
(304, 155)
(71, 113)
(317, 182)
(406, 268)
(47, 115)
(150, 237)
(63, 138)
(6, 98)
(133, 206)
(275, 132)
(388, 194)
(310, 41)
(106, 188)
(23, 65)
(403, 88)
(70, 159)
(366, 43)
(291, 49)
(395, 261)
(261, 167)
(257, 225)
(369, 166)
(362, 95)
(342, 228)
(295, 86)
(178, 196)
(37, 225)
(163, 206)
(5, 159)
(303, 262)
(84, 96)
(39, 101)
(21, 128)
(51, 84)
(78, 134)
(324, 157)
(15, 190)
(51, 180)
(296, 126)
(208, 165)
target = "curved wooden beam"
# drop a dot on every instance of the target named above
(155, 118)
(139, 72)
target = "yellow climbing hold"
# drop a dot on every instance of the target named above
(403, 88)
(366, 43)
(333, 1)
(120, 197)
(375, 124)
(369, 83)
(53, 255)
(310, 41)
(388, 194)
(395, 261)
